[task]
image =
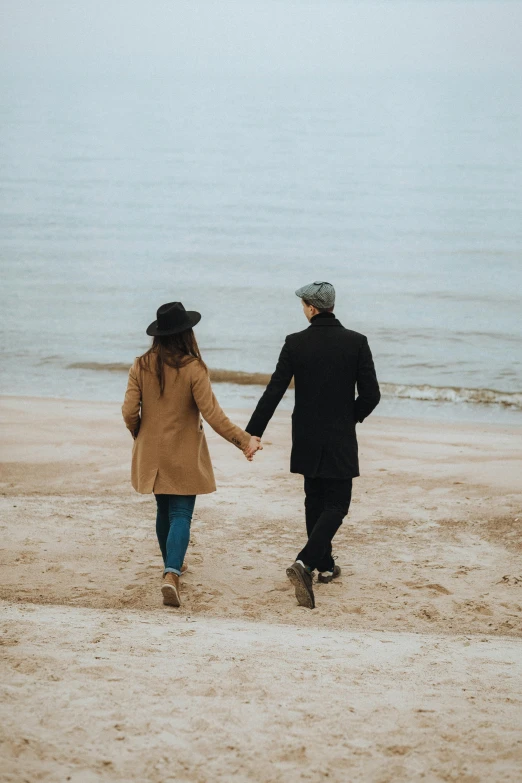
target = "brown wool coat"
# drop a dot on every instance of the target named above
(170, 454)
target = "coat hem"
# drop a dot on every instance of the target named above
(322, 475)
(174, 492)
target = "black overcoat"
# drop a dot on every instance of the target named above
(327, 363)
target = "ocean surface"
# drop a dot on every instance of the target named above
(227, 192)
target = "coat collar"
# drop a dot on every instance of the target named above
(325, 319)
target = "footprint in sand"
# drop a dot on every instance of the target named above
(432, 586)
(428, 613)
(205, 596)
(475, 607)
(510, 580)
(397, 750)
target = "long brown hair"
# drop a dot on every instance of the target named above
(175, 350)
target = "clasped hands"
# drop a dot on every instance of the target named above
(253, 446)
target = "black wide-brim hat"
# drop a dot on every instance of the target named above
(171, 319)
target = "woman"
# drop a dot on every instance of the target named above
(169, 387)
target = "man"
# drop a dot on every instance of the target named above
(327, 363)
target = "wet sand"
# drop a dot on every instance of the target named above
(409, 668)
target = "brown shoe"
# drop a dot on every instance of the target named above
(302, 581)
(170, 589)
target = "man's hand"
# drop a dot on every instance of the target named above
(253, 446)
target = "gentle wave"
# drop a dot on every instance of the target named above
(454, 394)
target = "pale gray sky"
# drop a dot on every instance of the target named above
(270, 34)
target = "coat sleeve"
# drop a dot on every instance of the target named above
(131, 408)
(367, 385)
(279, 383)
(211, 410)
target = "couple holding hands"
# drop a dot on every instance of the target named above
(169, 392)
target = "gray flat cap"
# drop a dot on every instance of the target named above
(320, 295)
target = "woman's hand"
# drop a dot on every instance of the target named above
(253, 446)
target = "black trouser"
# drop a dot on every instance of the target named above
(326, 503)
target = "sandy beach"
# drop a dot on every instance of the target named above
(409, 669)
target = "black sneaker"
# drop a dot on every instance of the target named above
(302, 581)
(327, 576)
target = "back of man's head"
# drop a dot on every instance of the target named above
(320, 295)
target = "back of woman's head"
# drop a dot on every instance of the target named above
(174, 350)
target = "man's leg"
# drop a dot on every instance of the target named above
(314, 506)
(337, 497)
(299, 575)
(314, 502)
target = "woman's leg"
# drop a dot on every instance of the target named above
(181, 508)
(162, 523)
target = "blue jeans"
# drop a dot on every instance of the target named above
(173, 528)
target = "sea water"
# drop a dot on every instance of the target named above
(229, 191)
